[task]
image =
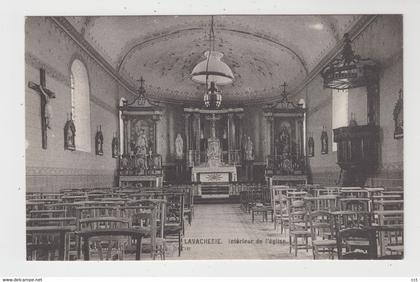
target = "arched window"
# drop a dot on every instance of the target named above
(340, 108)
(80, 105)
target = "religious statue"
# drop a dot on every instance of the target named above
(179, 157)
(324, 141)
(115, 147)
(46, 111)
(284, 141)
(249, 158)
(179, 147)
(99, 140)
(311, 147)
(69, 135)
(70, 138)
(249, 150)
(142, 144)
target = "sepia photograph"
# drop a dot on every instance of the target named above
(214, 137)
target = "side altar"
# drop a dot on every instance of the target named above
(140, 164)
(286, 163)
(213, 149)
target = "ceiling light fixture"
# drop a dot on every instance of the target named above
(212, 69)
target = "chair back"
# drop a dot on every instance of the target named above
(297, 214)
(174, 208)
(351, 236)
(325, 202)
(321, 224)
(354, 204)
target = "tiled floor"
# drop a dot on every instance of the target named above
(223, 223)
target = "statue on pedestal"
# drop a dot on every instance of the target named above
(284, 142)
(179, 156)
(179, 147)
(141, 146)
(249, 149)
(249, 159)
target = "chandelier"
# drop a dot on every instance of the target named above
(211, 72)
(212, 98)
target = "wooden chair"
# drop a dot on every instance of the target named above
(394, 246)
(391, 232)
(146, 218)
(298, 225)
(322, 233)
(47, 242)
(279, 205)
(149, 214)
(343, 220)
(105, 243)
(48, 237)
(98, 217)
(188, 203)
(346, 239)
(262, 203)
(174, 218)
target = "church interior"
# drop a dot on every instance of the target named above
(214, 137)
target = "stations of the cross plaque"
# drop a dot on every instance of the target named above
(45, 95)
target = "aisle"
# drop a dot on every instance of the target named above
(216, 225)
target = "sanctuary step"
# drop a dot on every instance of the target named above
(214, 191)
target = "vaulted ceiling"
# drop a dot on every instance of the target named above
(262, 51)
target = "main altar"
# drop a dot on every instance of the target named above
(213, 149)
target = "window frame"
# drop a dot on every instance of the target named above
(339, 114)
(84, 141)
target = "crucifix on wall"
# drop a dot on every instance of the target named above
(45, 95)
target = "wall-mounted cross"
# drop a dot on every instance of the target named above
(45, 95)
